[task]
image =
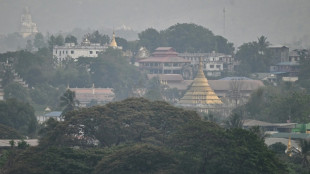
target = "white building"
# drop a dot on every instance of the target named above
(213, 63)
(70, 50)
(86, 49)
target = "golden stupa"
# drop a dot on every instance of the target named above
(113, 42)
(200, 91)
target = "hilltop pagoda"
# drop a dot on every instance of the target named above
(200, 95)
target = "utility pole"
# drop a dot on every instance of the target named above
(224, 21)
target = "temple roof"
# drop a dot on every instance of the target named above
(200, 91)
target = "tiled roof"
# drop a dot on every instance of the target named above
(165, 59)
(91, 90)
(168, 77)
(235, 78)
(164, 49)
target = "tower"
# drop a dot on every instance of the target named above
(27, 27)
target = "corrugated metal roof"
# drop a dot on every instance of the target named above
(53, 114)
(235, 78)
(288, 64)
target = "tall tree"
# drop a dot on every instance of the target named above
(71, 39)
(150, 39)
(68, 101)
(38, 41)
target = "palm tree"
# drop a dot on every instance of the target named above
(305, 151)
(262, 44)
(68, 101)
(234, 121)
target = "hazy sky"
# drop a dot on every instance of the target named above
(282, 21)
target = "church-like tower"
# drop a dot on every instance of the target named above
(200, 92)
(27, 27)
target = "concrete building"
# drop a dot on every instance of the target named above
(279, 52)
(214, 64)
(164, 60)
(98, 96)
(85, 49)
(27, 27)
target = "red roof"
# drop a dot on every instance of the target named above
(91, 90)
(164, 49)
(167, 77)
(166, 59)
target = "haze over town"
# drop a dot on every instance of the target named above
(281, 21)
(154, 86)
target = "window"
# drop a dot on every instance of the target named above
(97, 52)
(211, 66)
(90, 52)
(66, 52)
(218, 66)
(56, 52)
(72, 52)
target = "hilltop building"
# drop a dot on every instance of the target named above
(27, 27)
(200, 95)
(85, 49)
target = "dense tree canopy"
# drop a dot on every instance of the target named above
(185, 38)
(18, 115)
(276, 104)
(254, 57)
(140, 136)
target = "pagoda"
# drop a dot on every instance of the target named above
(113, 42)
(200, 95)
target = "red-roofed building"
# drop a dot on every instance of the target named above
(99, 95)
(164, 60)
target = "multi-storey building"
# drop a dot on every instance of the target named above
(213, 63)
(85, 49)
(164, 60)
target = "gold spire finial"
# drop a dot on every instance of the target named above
(289, 147)
(113, 42)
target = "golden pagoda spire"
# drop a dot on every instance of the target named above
(113, 42)
(200, 91)
(289, 147)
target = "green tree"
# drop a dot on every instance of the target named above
(122, 42)
(234, 121)
(150, 39)
(17, 91)
(29, 46)
(59, 40)
(254, 57)
(7, 132)
(113, 70)
(96, 37)
(68, 101)
(19, 116)
(71, 39)
(278, 148)
(138, 159)
(38, 41)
